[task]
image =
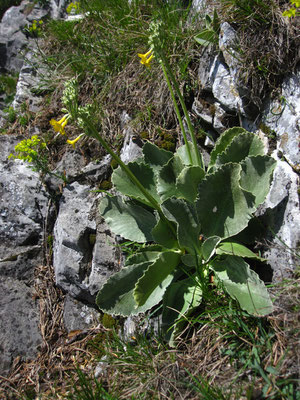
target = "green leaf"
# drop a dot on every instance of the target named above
(216, 22)
(223, 207)
(183, 154)
(191, 260)
(129, 220)
(166, 185)
(163, 235)
(243, 284)
(256, 176)
(236, 249)
(208, 21)
(188, 181)
(206, 37)
(148, 254)
(184, 215)
(243, 145)
(156, 278)
(116, 295)
(224, 140)
(144, 174)
(155, 157)
(209, 246)
(180, 299)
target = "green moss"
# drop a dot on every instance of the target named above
(267, 130)
(166, 141)
(170, 146)
(105, 185)
(113, 164)
(108, 321)
(92, 238)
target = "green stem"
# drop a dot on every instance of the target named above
(185, 111)
(132, 177)
(177, 112)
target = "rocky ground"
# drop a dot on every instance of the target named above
(45, 219)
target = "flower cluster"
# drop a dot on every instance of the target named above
(33, 151)
(59, 126)
(292, 12)
(35, 28)
(73, 7)
(146, 58)
(156, 38)
(72, 111)
(156, 44)
(70, 93)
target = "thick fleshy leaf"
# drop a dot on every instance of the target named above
(156, 278)
(184, 215)
(208, 247)
(156, 157)
(166, 184)
(188, 181)
(243, 284)
(243, 145)
(191, 260)
(144, 173)
(150, 253)
(163, 235)
(224, 208)
(116, 295)
(183, 154)
(180, 299)
(129, 220)
(236, 249)
(256, 176)
(224, 140)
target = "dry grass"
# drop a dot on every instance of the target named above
(148, 368)
(267, 44)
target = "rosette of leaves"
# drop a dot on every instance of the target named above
(191, 235)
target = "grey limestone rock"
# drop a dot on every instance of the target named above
(32, 81)
(84, 254)
(224, 88)
(19, 323)
(13, 39)
(227, 41)
(73, 166)
(78, 316)
(131, 149)
(72, 251)
(283, 117)
(57, 8)
(282, 209)
(205, 74)
(23, 210)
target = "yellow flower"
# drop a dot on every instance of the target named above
(72, 142)
(146, 58)
(59, 126)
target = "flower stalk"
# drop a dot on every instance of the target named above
(167, 70)
(177, 113)
(156, 43)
